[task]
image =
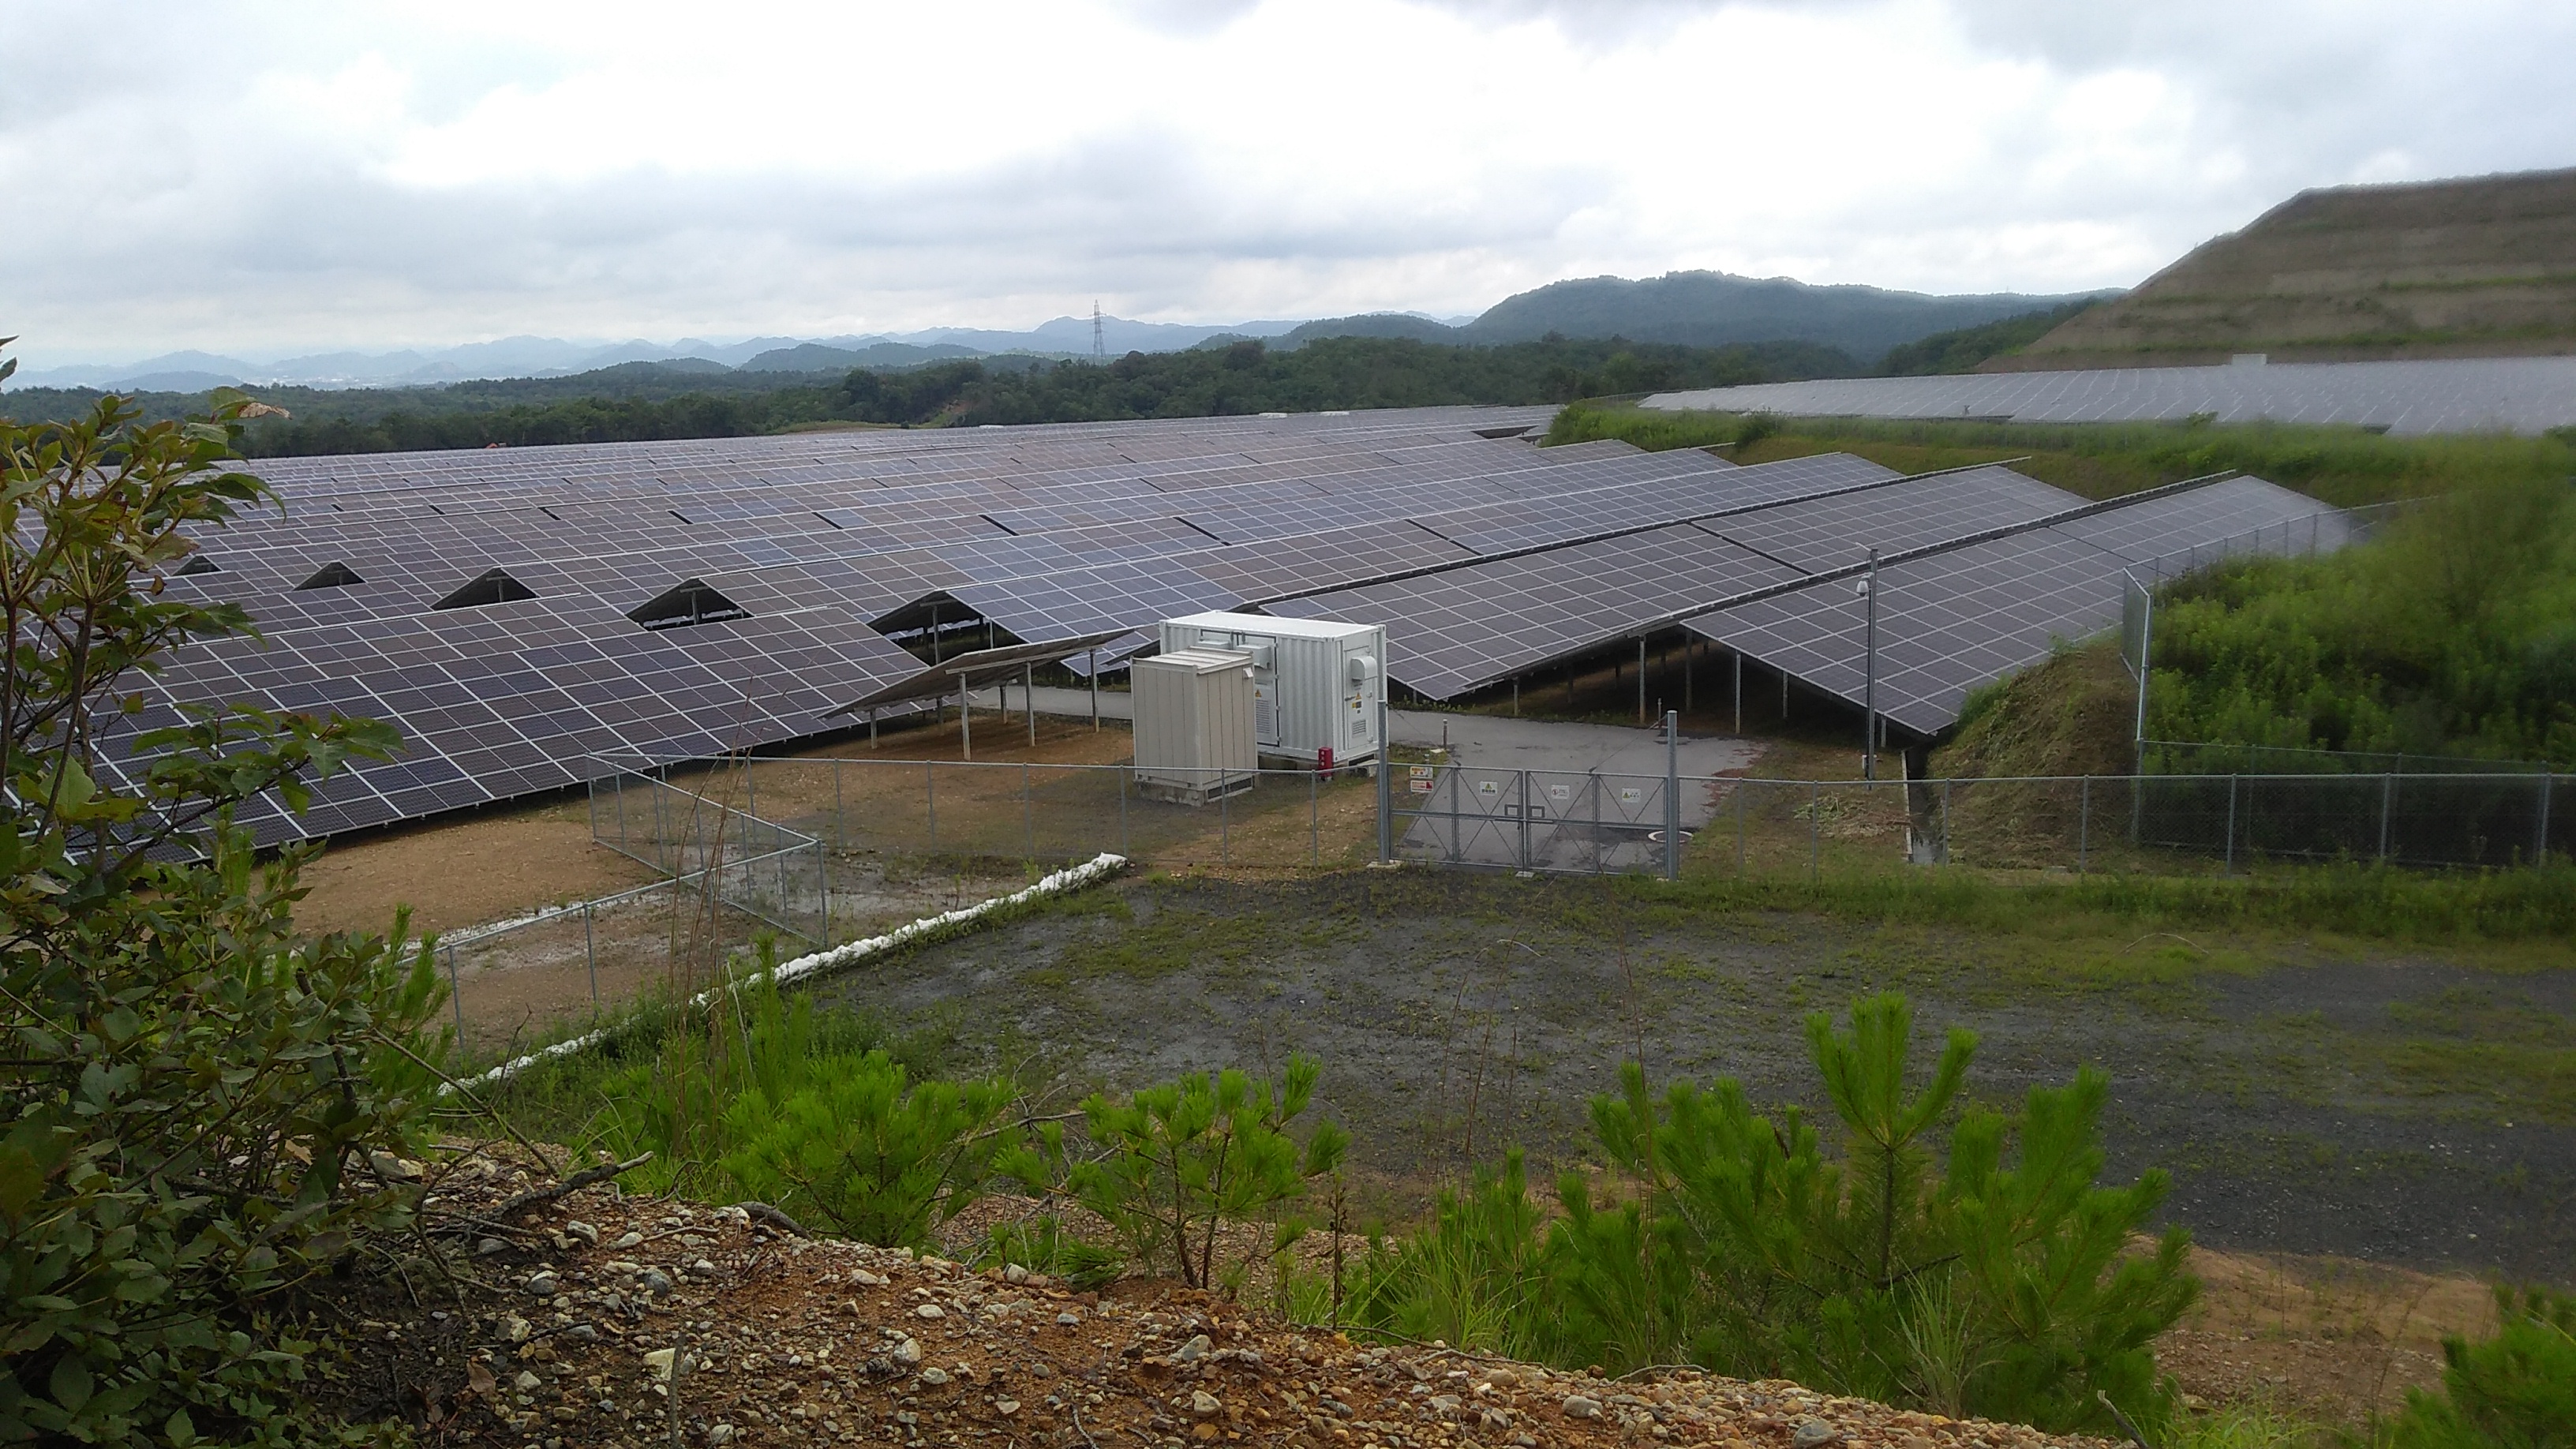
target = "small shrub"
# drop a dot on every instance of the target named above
(1176, 1163)
(2516, 1390)
(860, 1154)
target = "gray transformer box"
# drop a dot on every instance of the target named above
(1194, 725)
(1316, 682)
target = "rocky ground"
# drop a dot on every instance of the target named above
(594, 1318)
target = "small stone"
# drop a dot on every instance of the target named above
(934, 1376)
(542, 1285)
(659, 1362)
(1192, 1351)
(1813, 1434)
(392, 1168)
(907, 1352)
(866, 1279)
(703, 1268)
(627, 1240)
(720, 1434)
(515, 1327)
(1579, 1407)
(488, 1246)
(1068, 1320)
(1445, 1403)
(582, 1333)
(655, 1282)
(1007, 1407)
(1205, 1404)
(527, 1383)
(576, 1228)
(1014, 1273)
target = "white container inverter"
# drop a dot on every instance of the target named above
(1316, 683)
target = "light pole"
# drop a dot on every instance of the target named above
(1867, 586)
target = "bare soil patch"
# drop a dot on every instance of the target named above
(683, 1323)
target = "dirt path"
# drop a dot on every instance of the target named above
(2370, 1108)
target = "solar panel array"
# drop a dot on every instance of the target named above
(1459, 630)
(2447, 395)
(1962, 617)
(519, 613)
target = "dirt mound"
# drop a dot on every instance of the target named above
(2482, 266)
(2074, 714)
(593, 1319)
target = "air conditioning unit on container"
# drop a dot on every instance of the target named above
(1316, 683)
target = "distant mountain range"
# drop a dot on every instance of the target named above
(1703, 309)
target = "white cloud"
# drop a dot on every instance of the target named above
(268, 177)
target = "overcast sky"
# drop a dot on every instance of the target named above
(265, 178)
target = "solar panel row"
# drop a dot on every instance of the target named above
(1958, 619)
(2446, 395)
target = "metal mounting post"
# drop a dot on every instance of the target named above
(1672, 796)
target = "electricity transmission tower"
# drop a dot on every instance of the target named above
(1099, 334)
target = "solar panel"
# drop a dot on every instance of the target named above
(2447, 395)
(1962, 618)
(1452, 632)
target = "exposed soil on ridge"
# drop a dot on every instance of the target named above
(568, 1318)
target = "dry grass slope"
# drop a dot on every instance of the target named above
(2480, 266)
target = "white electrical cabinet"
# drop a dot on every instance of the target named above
(1316, 683)
(1194, 725)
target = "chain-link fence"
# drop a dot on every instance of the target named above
(846, 847)
(1001, 816)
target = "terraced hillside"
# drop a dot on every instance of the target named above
(2477, 267)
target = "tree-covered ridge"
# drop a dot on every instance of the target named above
(643, 402)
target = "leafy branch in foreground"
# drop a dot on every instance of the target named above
(194, 1119)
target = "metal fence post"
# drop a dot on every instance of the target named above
(840, 813)
(1385, 786)
(1028, 811)
(1314, 819)
(1126, 780)
(1741, 787)
(1224, 819)
(2230, 867)
(2540, 835)
(823, 879)
(930, 797)
(750, 788)
(590, 951)
(1945, 822)
(2083, 824)
(2387, 806)
(1815, 833)
(1525, 820)
(1596, 822)
(1672, 795)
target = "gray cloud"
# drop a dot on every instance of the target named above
(244, 179)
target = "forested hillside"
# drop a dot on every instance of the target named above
(643, 402)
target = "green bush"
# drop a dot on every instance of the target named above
(2453, 635)
(1174, 1164)
(201, 1112)
(2003, 1289)
(859, 1154)
(2516, 1390)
